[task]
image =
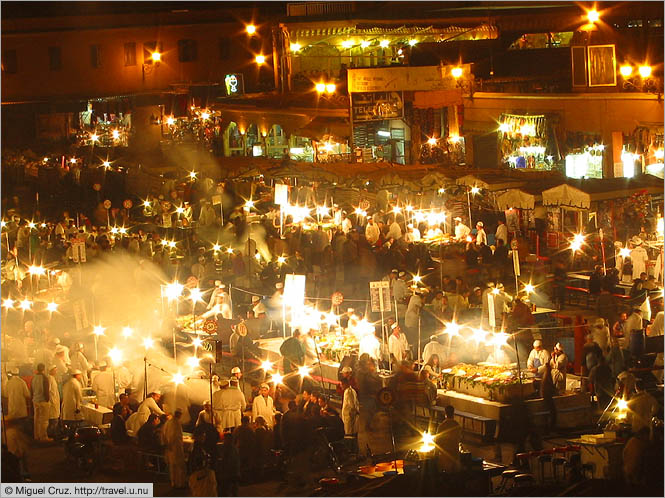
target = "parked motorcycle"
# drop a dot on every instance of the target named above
(83, 447)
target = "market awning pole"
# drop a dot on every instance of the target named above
(418, 338)
(602, 249)
(468, 201)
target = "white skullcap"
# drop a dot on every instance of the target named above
(279, 285)
(537, 343)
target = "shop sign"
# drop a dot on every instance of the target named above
(234, 84)
(392, 79)
(376, 106)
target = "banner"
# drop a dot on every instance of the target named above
(395, 79)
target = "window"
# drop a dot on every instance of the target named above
(9, 62)
(130, 54)
(55, 58)
(224, 48)
(635, 23)
(149, 48)
(655, 23)
(186, 50)
(96, 56)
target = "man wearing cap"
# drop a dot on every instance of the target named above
(208, 415)
(228, 403)
(53, 399)
(258, 308)
(220, 301)
(638, 257)
(412, 316)
(398, 346)
(17, 394)
(309, 344)
(461, 230)
(372, 232)
(502, 232)
(236, 373)
(434, 347)
(346, 223)
(601, 334)
(263, 406)
(40, 400)
(72, 398)
(538, 359)
(80, 362)
(481, 236)
(174, 451)
(61, 364)
(559, 364)
(104, 387)
(146, 408)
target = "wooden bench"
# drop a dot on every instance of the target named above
(478, 425)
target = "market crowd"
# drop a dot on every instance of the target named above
(437, 273)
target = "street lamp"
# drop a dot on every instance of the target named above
(156, 56)
(260, 59)
(251, 29)
(645, 71)
(593, 16)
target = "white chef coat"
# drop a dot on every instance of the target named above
(372, 233)
(80, 362)
(103, 386)
(502, 233)
(398, 346)
(481, 237)
(148, 406)
(413, 311)
(639, 258)
(543, 357)
(264, 407)
(229, 403)
(310, 349)
(53, 397)
(434, 347)
(17, 394)
(350, 411)
(461, 231)
(72, 398)
(346, 226)
(395, 231)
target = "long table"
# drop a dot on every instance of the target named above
(573, 410)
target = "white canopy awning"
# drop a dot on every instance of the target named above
(566, 196)
(515, 198)
(493, 184)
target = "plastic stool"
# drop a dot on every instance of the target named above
(542, 460)
(522, 480)
(506, 477)
(559, 462)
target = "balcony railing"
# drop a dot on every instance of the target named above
(316, 9)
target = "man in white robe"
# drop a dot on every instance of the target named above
(18, 396)
(638, 257)
(104, 387)
(72, 398)
(263, 406)
(174, 451)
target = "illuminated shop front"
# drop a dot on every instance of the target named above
(585, 163)
(524, 142)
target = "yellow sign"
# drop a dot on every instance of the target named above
(395, 79)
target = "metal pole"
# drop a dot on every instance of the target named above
(145, 377)
(212, 412)
(418, 338)
(468, 201)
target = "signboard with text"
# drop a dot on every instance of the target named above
(379, 294)
(373, 106)
(394, 79)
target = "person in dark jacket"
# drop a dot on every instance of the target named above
(245, 440)
(596, 280)
(118, 430)
(148, 435)
(227, 468)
